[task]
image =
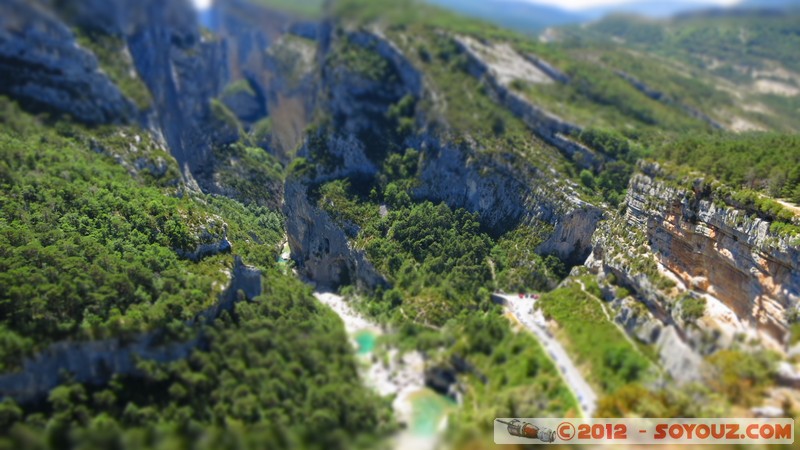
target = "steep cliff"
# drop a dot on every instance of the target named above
(42, 66)
(275, 55)
(355, 97)
(371, 90)
(676, 244)
(500, 66)
(181, 68)
(321, 248)
(506, 192)
(95, 362)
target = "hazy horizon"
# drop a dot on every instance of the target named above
(579, 5)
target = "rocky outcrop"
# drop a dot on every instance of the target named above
(358, 95)
(320, 247)
(722, 251)
(572, 235)
(291, 91)
(276, 55)
(214, 247)
(249, 29)
(480, 184)
(245, 101)
(95, 362)
(245, 285)
(183, 72)
(92, 363)
(641, 86)
(550, 70)
(506, 193)
(676, 357)
(549, 127)
(749, 276)
(42, 66)
(352, 146)
(182, 69)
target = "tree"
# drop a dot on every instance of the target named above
(587, 179)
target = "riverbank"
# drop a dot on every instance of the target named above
(422, 411)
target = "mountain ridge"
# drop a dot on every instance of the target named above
(412, 164)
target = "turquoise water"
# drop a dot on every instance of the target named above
(427, 411)
(366, 341)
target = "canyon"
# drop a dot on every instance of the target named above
(664, 243)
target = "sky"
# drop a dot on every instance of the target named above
(201, 4)
(575, 5)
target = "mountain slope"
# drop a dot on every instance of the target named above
(746, 57)
(522, 16)
(415, 162)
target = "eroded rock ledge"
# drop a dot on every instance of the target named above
(749, 276)
(95, 362)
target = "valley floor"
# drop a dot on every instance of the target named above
(421, 410)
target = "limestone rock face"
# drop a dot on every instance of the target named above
(42, 66)
(504, 190)
(358, 102)
(572, 236)
(749, 276)
(320, 248)
(276, 55)
(182, 70)
(357, 105)
(291, 90)
(246, 104)
(725, 253)
(95, 362)
(506, 193)
(478, 184)
(500, 71)
(683, 363)
(214, 246)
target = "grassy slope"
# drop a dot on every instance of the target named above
(307, 9)
(722, 55)
(609, 359)
(596, 96)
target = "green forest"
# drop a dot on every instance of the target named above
(104, 237)
(91, 250)
(277, 370)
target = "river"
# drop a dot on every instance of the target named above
(422, 411)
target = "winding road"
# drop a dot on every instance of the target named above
(521, 309)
